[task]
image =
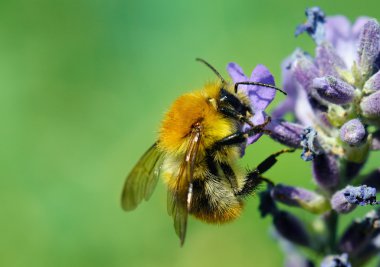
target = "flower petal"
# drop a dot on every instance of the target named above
(261, 96)
(337, 28)
(338, 33)
(358, 25)
(290, 86)
(236, 73)
(257, 119)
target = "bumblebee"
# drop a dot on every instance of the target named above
(196, 154)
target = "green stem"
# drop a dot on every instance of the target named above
(332, 226)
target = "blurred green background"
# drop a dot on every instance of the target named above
(83, 86)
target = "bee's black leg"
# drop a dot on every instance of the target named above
(240, 137)
(254, 178)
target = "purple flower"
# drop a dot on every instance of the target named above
(259, 96)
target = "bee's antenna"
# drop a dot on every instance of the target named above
(259, 84)
(212, 68)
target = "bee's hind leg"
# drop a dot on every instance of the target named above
(254, 178)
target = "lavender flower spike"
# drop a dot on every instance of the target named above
(300, 197)
(336, 261)
(353, 132)
(334, 90)
(350, 197)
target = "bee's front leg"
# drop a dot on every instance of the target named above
(240, 137)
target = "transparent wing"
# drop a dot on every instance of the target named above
(142, 180)
(179, 201)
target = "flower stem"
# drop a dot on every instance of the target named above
(331, 220)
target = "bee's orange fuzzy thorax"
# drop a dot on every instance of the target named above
(188, 110)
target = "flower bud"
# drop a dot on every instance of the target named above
(287, 133)
(369, 47)
(336, 261)
(291, 228)
(340, 204)
(304, 70)
(300, 197)
(326, 171)
(353, 132)
(359, 232)
(327, 60)
(370, 106)
(347, 199)
(372, 84)
(333, 90)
